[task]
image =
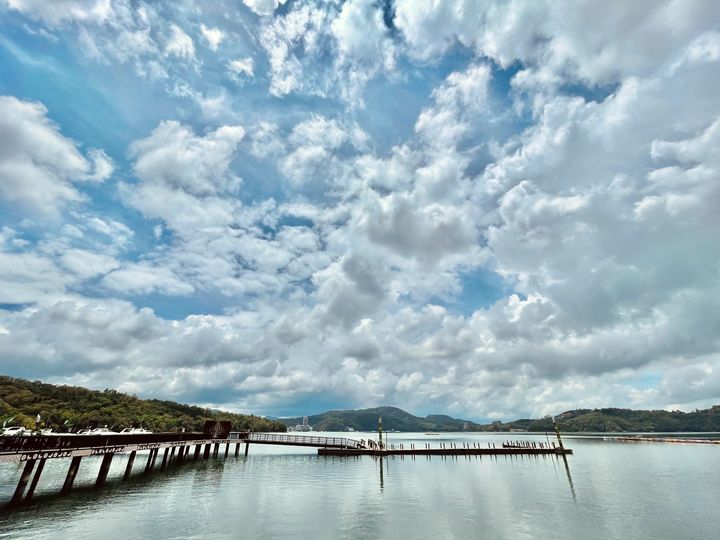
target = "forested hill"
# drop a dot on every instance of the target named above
(619, 420)
(393, 419)
(65, 408)
(581, 420)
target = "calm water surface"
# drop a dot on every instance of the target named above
(610, 490)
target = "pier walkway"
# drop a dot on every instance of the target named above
(35, 450)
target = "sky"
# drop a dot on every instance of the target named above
(492, 209)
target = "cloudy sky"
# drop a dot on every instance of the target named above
(486, 209)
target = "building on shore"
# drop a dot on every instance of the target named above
(305, 426)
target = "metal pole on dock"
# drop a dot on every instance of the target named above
(557, 433)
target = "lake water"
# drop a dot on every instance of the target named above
(609, 490)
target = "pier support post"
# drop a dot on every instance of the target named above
(72, 472)
(198, 447)
(227, 448)
(104, 468)
(163, 464)
(172, 453)
(206, 453)
(128, 468)
(216, 449)
(35, 480)
(150, 461)
(247, 448)
(237, 449)
(154, 458)
(22, 483)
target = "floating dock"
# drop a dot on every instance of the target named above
(462, 451)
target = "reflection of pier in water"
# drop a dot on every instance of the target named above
(382, 459)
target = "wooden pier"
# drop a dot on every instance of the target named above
(33, 451)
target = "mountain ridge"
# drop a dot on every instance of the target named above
(608, 419)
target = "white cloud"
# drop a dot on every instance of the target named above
(213, 36)
(263, 7)
(180, 44)
(143, 278)
(39, 167)
(241, 66)
(57, 12)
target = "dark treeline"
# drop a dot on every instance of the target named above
(71, 408)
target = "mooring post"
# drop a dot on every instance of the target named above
(70, 478)
(237, 449)
(22, 483)
(557, 432)
(35, 480)
(104, 468)
(128, 468)
(247, 448)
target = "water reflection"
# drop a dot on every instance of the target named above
(569, 477)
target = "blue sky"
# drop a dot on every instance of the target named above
(485, 209)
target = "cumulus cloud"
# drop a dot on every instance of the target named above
(213, 36)
(298, 42)
(39, 167)
(241, 67)
(571, 158)
(263, 7)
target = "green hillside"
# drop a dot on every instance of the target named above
(580, 420)
(65, 408)
(393, 418)
(618, 420)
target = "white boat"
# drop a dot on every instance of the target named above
(134, 430)
(98, 431)
(13, 431)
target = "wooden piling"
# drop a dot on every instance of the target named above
(70, 477)
(129, 466)
(22, 483)
(104, 468)
(35, 480)
(163, 463)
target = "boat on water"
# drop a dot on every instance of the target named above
(134, 430)
(98, 431)
(432, 433)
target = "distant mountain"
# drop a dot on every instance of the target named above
(619, 420)
(393, 418)
(579, 420)
(71, 407)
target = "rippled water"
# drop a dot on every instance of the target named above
(610, 490)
